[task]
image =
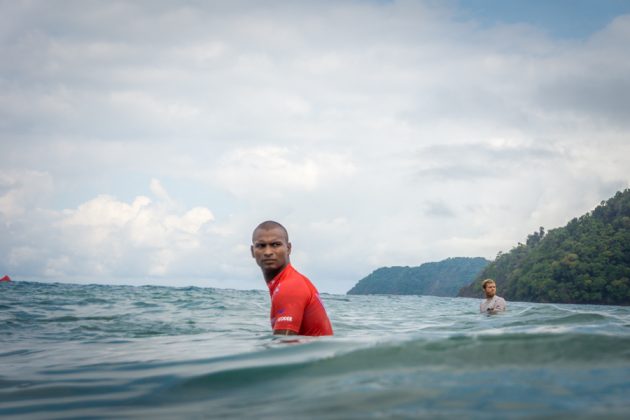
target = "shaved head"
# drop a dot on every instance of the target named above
(269, 225)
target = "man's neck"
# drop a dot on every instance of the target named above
(272, 274)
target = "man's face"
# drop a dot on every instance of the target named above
(491, 290)
(271, 249)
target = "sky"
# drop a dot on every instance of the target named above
(141, 142)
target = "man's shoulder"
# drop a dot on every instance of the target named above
(294, 282)
(293, 273)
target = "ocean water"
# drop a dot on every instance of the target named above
(94, 351)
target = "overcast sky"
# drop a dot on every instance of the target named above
(141, 142)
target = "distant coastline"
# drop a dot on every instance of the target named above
(585, 262)
(444, 278)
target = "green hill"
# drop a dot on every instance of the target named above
(442, 278)
(586, 261)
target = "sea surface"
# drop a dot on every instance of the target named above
(95, 351)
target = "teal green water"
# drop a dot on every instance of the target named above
(91, 351)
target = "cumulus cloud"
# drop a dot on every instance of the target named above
(106, 237)
(108, 230)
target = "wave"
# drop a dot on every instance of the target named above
(342, 378)
(473, 352)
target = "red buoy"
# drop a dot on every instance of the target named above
(5, 278)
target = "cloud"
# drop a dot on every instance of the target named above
(380, 133)
(438, 209)
(105, 237)
(23, 190)
(108, 232)
(159, 191)
(273, 171)
(490, 160)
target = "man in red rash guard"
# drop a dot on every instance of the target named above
(295, 304)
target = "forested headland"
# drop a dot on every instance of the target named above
(586, 261)
(444, 278)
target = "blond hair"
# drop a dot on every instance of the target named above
(485, 282)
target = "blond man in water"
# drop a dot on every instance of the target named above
(492, 303)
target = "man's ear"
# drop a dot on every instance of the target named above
(251, 248)
(289, 248)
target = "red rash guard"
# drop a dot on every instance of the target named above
(295, 305)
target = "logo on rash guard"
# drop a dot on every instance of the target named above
(279, 318)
